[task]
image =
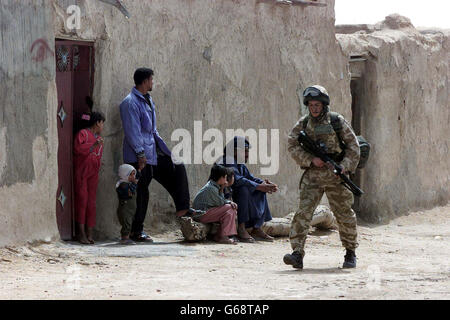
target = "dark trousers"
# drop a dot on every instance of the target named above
(126, 212)
(253, 208)
(171, 176)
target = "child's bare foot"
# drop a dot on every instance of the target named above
(83, 239)
(89, 234)
(81, 234)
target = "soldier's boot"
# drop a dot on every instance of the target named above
(295, 259)
(350, 259)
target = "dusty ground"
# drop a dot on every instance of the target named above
(407, 259)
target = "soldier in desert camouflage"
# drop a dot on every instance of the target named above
(334, 131)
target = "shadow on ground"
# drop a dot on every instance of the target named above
(139, 250)
(315, 271)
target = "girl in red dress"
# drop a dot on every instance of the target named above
(88, 150)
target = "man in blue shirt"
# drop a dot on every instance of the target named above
(249, 192)
(148, 153)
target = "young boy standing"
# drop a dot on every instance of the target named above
(126, 191)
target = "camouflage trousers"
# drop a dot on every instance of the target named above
(315, 184)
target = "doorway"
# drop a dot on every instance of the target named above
(356, 125)
(74, 82)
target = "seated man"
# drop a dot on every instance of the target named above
(249, 193)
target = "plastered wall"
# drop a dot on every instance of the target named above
(28, 137)
(404, 101)
(229, 64)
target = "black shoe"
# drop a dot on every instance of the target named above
(141, 237)
(295, 259)
(194, 213)
(350, 259)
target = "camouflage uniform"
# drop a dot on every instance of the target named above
(316, 181)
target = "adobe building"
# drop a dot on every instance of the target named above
(400, 102)
(229, 64)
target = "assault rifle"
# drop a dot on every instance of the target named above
(320, 151)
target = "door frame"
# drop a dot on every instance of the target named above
(67, 232)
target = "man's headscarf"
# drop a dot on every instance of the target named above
(240, 143)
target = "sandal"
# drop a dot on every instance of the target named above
(266, 239)
(263, 237)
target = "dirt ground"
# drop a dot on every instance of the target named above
(407, 259)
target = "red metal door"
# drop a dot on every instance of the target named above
(83, 73)
(74, 75)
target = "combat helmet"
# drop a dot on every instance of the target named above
(318, 93)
